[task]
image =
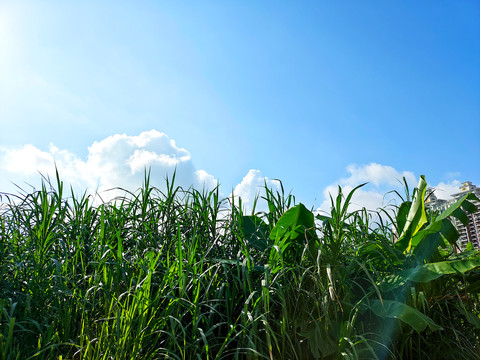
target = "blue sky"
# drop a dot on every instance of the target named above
(313, 93)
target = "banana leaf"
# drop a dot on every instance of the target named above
(255, 231)
(416, 217)
(294, 222)
(429, 272)
(407, 314)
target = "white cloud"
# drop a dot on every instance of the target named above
(117, 161)
(445, 190)
(27, 160)
(376, 174)
(251, 186)
(371, 199)
(205, 179)
(381, 179)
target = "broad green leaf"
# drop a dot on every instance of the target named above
(460, 215)
(427, 241)
(407, 314)
(321, 338)
(453, 266)
(432, 271)
(449, 232)
(289, 234)
(416, 217)
(295, 221)
(462, 202)
(402, 214)
(467, 205)
(255, 231)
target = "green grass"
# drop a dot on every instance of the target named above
(183, 274)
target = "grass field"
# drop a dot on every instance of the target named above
(183, 274)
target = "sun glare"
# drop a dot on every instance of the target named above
(8, 41)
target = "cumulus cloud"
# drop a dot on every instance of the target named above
(120, 160)
(370, 199)
(445, 190)
(251, 186)
(382, 180)
(117, 161)
(206, 180)
(376, 174)
(27, 160)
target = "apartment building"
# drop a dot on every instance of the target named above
(469, 233)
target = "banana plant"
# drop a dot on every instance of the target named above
(421, 238)
(403, 283)
(429, 269)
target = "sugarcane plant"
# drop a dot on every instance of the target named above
(183, 274)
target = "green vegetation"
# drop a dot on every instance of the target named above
(182, 274)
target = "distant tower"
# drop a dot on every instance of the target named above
(432, 202)
(469, 233)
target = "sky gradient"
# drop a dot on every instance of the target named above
(312, 93)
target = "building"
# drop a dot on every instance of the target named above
(469, 233)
